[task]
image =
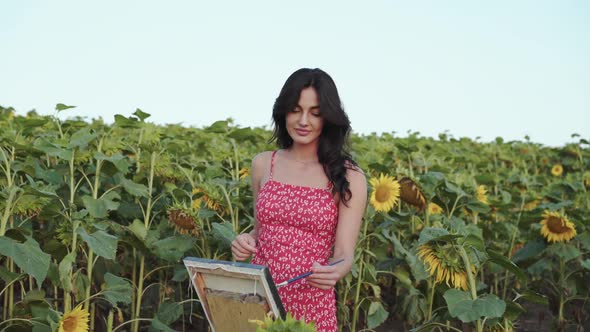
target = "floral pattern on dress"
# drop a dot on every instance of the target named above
(298, 228)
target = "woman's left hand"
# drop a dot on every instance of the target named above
(324, 276)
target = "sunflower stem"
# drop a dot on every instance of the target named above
(561, 318)
(146, 221)
(454, 205)
(90, 262)
(471, 279)
(10, 292)
(432, 286)
(360, 277)
(110, 321)
(512, 240)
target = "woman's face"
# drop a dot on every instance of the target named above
(304, 123)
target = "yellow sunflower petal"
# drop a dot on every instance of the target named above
(557, 170)
(74, 321)
(556, 227)
(385, 195)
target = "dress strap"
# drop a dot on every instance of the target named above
(272, 163)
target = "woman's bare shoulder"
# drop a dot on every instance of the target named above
(353, 169)
(261, 165)
(262, 159)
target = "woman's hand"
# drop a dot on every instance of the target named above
(324, 276)
(243, 246)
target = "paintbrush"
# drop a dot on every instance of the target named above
(306, 274)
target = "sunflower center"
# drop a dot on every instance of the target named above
(557, 225)
(448, 257)
(382, 194)
(70, 323)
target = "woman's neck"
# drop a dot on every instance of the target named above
(304, 153)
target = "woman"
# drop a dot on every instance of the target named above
(309, 198)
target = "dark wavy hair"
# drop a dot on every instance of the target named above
(334, 140)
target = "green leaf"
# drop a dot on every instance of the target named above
(124, 122)
(81, 283)
(564, 250)
(158, 326)
(539, 267)
(224, 232)
(65, 267)
(243, 134)
(118, 160)
(219, 127)
(506, 197)
(513, 310)
(28, 256)
(180, 273)
(135, 189)
(586, 264)
(61, 107)
(103, 244)
(42, 313)
(531, 249)
(584, 239)
(81, 138)
(460, 305)
(403, 276)
(416, 265)
(8, 276)
(35, 295)
(453, 188)
(467, 310)
(535, 297)
(430, 233)
(486, 178)
(52, 149)
(138, 229)
(116, 289)
(477, 206)
(169, 312)
(377, 315)
(141, 114)
(475, 242)
(504, 262)
(41, 328)
(100, 207)
(173, 248)
(489, 306)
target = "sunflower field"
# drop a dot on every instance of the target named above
(458, 235)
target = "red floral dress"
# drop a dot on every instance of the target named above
(298, 228)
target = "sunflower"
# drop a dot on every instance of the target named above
(385, 193)
(556, 227)
(434, 208)
(74, 321)
(531, 205)
(211, 203)
(557, 170)
(444, 264)
(411, 194)
(183, 220)
(482, 194)
(244, 173)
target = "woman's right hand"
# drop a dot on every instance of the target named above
(243, 246)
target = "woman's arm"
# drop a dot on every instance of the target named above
(244, 245)
(349, 224)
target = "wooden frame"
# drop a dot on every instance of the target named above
(231, 293)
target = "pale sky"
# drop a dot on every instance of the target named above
(469, 68)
